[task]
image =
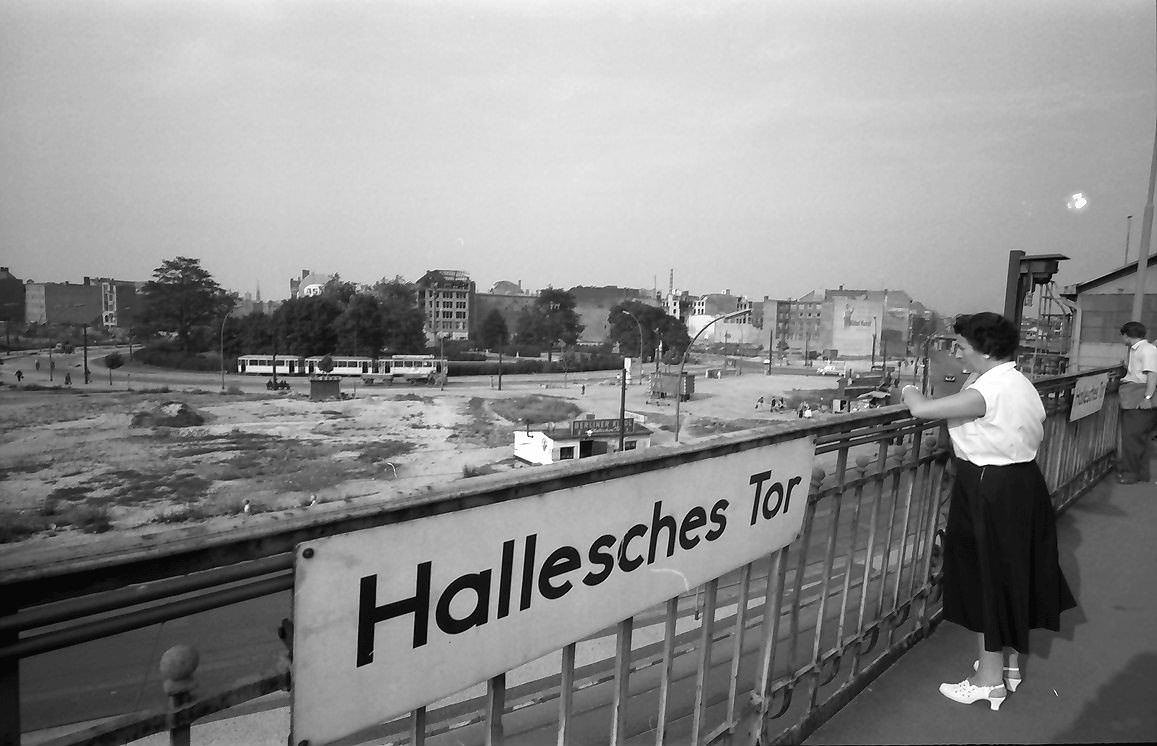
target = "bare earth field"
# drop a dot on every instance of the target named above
(82, 469)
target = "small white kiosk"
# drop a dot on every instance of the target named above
(584, 437)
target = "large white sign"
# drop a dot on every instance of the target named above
(854, 324)
(392, 618)
(1088, 395)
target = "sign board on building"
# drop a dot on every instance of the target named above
(392, 618)
(854, 324)
(1088, 395)
(605, 426)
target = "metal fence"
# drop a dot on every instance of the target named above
(764, 653)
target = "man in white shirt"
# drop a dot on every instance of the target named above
(1138, 417)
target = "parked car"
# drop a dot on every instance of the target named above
(834, 369)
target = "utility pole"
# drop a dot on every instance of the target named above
(86, 373)
(622, 404)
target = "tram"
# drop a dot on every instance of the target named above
(409, 368)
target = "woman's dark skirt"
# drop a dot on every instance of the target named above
(1001, 573)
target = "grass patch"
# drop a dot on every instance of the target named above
(15, 525)
(415, 397)
(384, 450)
(22, 466)
(714, 426)
(169, 414)
(71, 494)
(535, 409)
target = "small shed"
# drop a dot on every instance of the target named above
(664, 385)
(581, 439)
(324, 387)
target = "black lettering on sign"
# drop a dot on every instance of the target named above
(600, 554)
(625, 564)
(479, 583)
(370, 614)
(562, 560)
(719, 519)
(695, 519)
(660, 521)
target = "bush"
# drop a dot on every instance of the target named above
(163, 357)
(90, 518)
(15, 526)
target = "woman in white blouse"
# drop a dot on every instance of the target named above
(1001, 573)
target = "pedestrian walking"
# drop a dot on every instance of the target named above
(19, 375)
(37, 365)
(1135, 398)
(1002, 577)
(67, 378)
(759, 402)
(582, 389)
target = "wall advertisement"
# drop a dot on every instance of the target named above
(391, 618)
(854, 322)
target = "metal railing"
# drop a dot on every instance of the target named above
(775, 646)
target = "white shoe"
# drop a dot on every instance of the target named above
(966, 693)
(1012, 676)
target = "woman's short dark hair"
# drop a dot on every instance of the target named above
(989, 334)
(1134, 330)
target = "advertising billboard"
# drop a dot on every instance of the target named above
(854, 322)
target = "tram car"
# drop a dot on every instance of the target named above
(267, 365)
(395, 368)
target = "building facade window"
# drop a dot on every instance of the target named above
(566, 452)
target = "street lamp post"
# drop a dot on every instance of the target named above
(640, 325)
(223, 319)
(683, 362)
(86, 374)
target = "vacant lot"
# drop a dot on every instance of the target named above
(75, 466)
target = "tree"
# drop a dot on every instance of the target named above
(660, 331)
(492, 332)
(550, 319)
(339, 290)
(403, 323)
(112, 361)
(305, 326)
(359, 327)
(183, 295)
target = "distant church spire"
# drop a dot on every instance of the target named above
(258, 292)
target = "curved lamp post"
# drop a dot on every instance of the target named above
(679, 379)
(223, 319)
(640, 325)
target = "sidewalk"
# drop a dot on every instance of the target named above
(1094, 681)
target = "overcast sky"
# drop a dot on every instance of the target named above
(766, 147)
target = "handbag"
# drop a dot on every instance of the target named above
(1132, 395)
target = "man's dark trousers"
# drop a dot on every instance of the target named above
(1136, 426)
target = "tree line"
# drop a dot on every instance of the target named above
(184, 300)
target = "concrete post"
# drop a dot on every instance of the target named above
(178, 665)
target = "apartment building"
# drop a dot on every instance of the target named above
(446, 298)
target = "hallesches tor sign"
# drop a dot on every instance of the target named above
(391, 618)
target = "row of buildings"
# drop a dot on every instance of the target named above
(847, 321)
(851, 322)
(95, 301)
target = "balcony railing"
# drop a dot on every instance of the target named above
(774, 647)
